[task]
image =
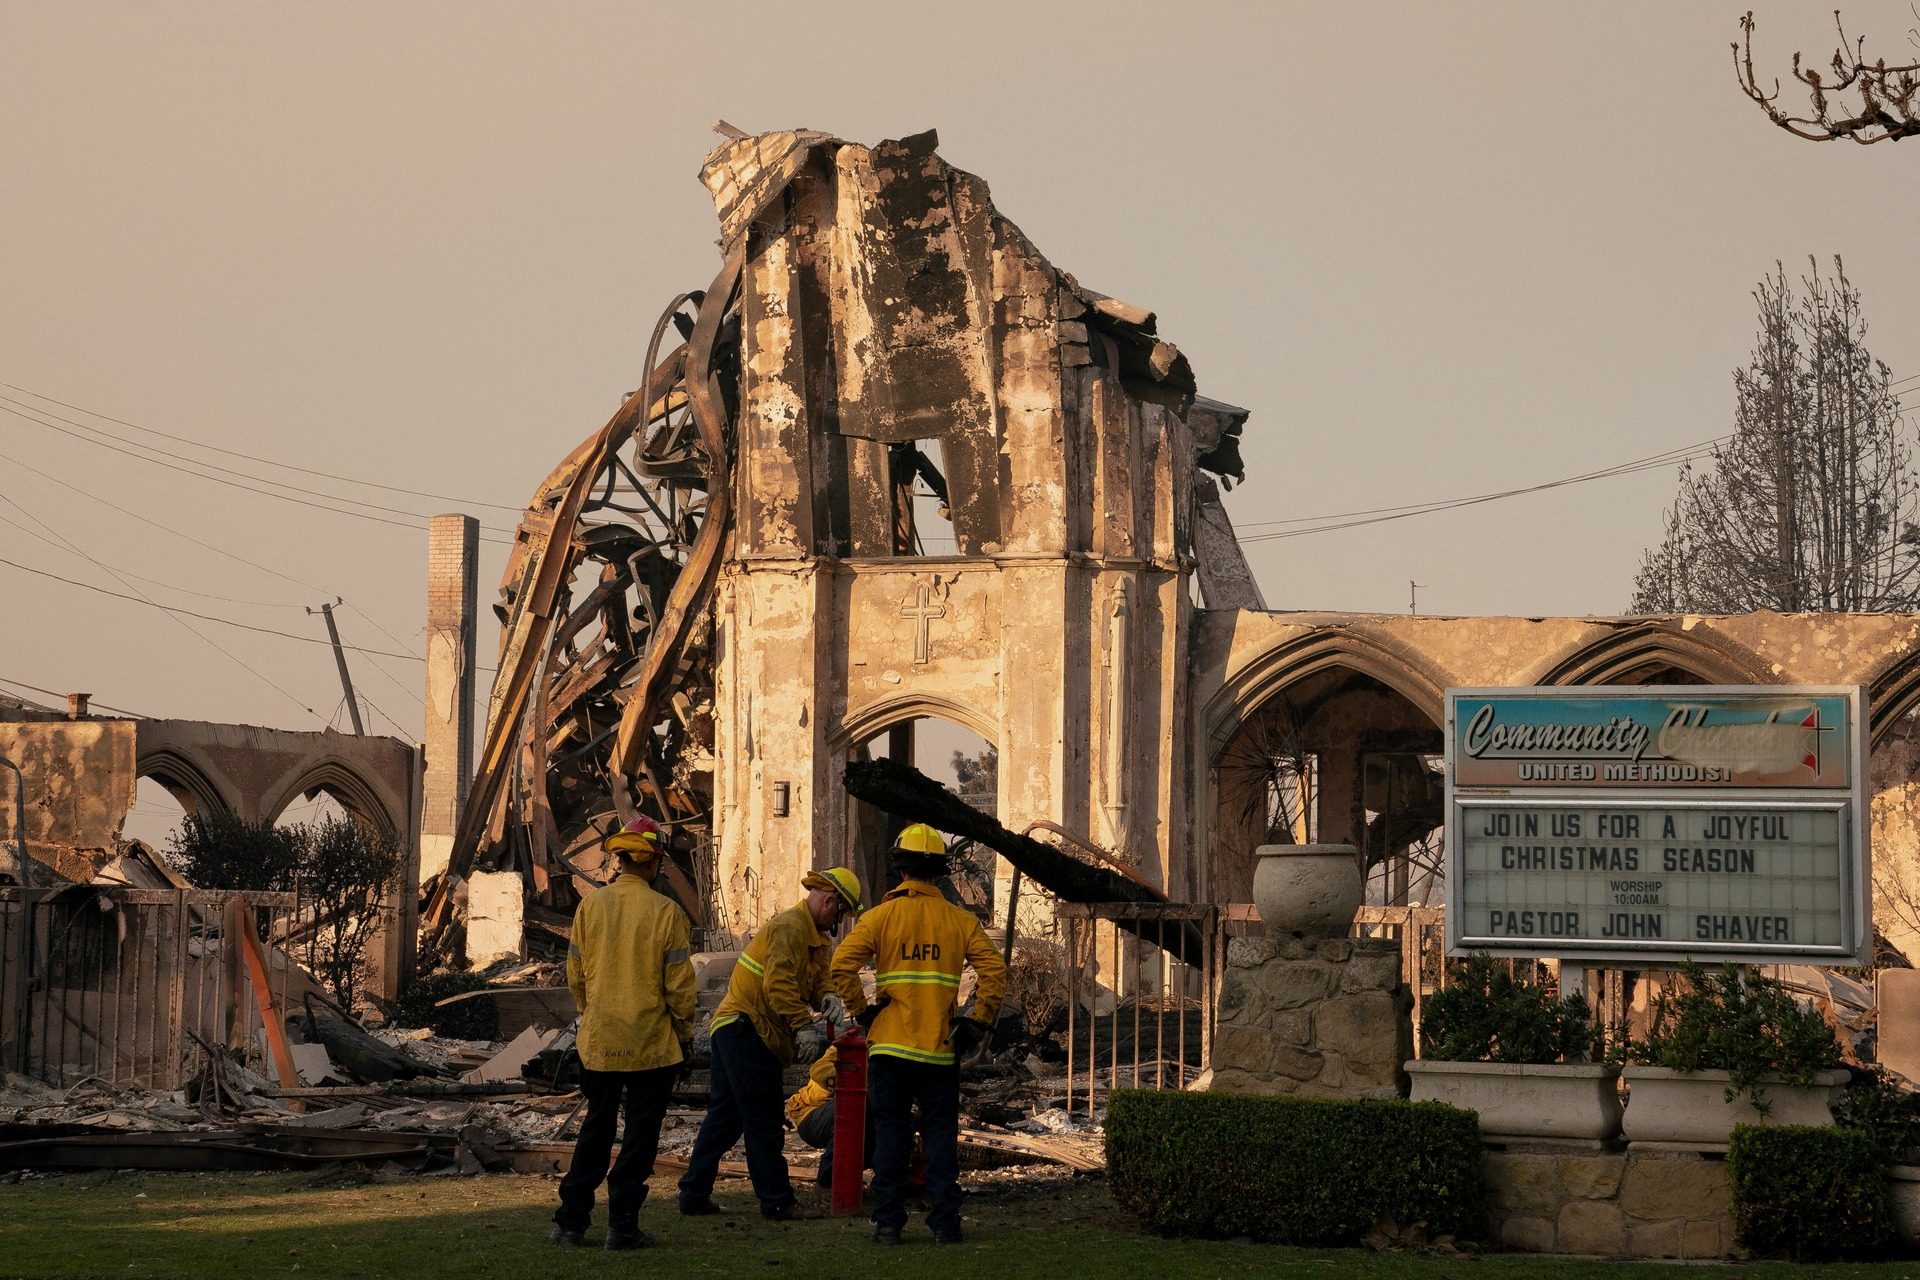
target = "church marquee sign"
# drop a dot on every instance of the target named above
(1654, 824)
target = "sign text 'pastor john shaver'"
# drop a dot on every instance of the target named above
(1633, 826)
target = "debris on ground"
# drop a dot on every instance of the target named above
(379, 1092)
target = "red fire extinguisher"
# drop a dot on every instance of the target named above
(849, 1120)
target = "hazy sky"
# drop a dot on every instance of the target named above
(1438, 250)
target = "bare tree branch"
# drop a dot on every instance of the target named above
(1889, 95)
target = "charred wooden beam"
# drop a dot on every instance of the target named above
(902, 790)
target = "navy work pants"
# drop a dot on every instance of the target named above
(748, 1100)
(894, 1085)
(643, 1096)
(817, 1130)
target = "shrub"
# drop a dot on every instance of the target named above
(477, 1019)
(1036, 985)
(1741, 1023)
(346, 871)
(1882, 1109)
(1808, 1194)
(1483, 1015)
(1293, 1170)
(341, 869)
(222, 850)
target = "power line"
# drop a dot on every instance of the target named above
(187, 537)
(204, 617)
(55, 693)
(174, 613)
(383, 672)
(152, 582)
(1376, 515)
(192, 462)
(209, 617)
(234, 453)
(114, 506)
(29, 415)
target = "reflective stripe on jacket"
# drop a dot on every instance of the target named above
(817, 1092)
(631, 974)
(918, 942)
(779, 980)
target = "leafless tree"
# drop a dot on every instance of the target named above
(1811, 504)
(1889, 95)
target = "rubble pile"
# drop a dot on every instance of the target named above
(425, 1099)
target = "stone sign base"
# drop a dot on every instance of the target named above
(1575, 1197)
(1316, 1017)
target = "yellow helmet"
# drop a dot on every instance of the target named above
(921, 838)
(837, 880)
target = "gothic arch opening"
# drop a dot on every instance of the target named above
(951, 753)
(333, 788)
(169, 787)
(1656, 653)
(1333, 756)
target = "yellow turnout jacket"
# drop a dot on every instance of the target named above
(630, 972)
(779, 980)
(918, 942)
(816, 1092)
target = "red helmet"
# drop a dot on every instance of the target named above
(638, 841)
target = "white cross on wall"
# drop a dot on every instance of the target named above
(923, 610)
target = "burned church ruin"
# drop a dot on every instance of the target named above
(730, 591)
(894, 465)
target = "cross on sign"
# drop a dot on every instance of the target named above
(923, 610)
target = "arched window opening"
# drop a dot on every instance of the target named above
(959, 759)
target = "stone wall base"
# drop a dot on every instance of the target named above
(1570, 1198)
(1316, 1017)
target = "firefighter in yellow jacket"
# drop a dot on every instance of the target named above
(629, 970)
(813, 1110)
(918, 942)
(777, 984)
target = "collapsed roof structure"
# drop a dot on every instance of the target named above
(872, 311)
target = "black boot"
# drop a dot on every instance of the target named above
(618, 1240)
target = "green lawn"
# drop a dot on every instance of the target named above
(207, 1226)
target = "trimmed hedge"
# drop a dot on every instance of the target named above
(1808, 1194)
(1291, 1170)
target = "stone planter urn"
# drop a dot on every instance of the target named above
(1665, 1105)
(1555, 1100)
(1903, 1191)
(1307, 890)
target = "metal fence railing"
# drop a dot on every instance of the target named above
(124, 985)
(1142, 987)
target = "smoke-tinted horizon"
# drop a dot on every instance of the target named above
(1437, 250)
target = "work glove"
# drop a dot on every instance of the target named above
(968, 1035)
(866, 1016)
(685, 1073)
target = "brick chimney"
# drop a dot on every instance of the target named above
(77, 705)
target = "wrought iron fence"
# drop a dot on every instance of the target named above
(1147, 1010)
(125, 985)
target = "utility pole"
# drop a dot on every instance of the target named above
(340, 660)
(1413, 599)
